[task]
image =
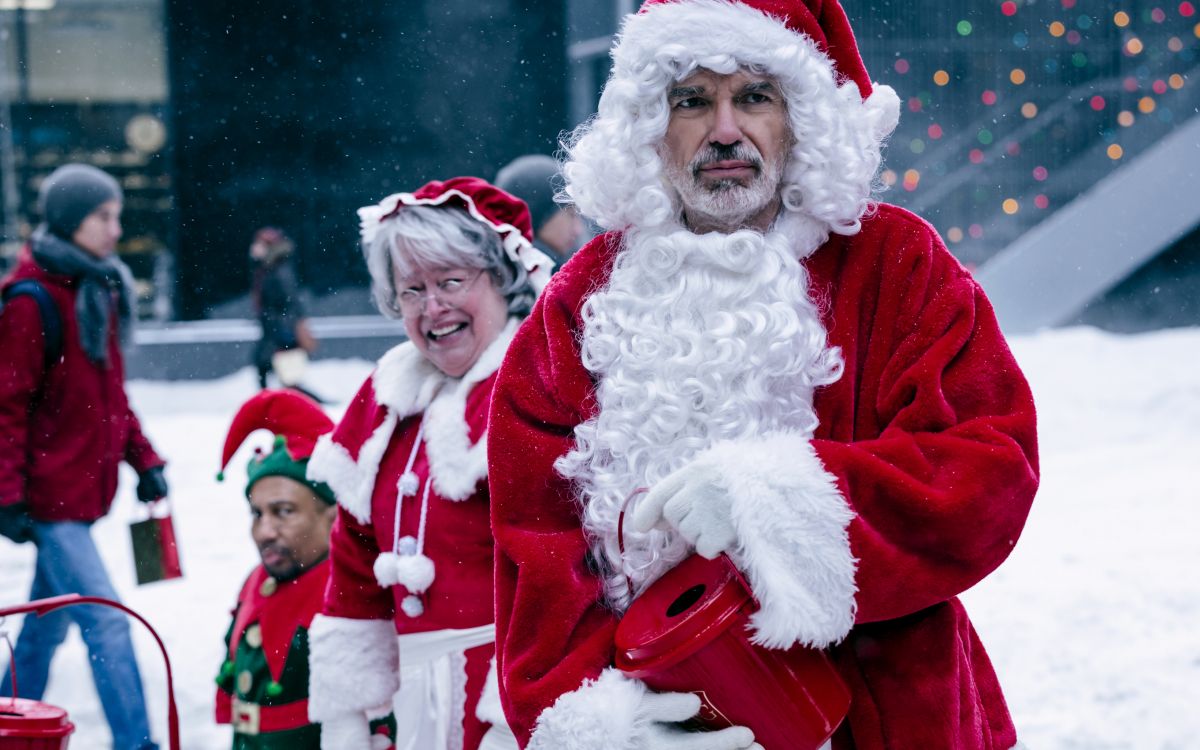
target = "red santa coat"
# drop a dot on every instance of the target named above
(928, 438)
(363, 460)
(62, 436)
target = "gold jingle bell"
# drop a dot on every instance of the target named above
(269, 586)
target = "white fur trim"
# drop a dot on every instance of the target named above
(405, 381)
(793, 542)
(489, 708)
(352, 482)
(353, 666)
(331, 463)
(349, 731)
(600, 715)
(457, 466)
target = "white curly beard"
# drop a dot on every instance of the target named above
(695, 339)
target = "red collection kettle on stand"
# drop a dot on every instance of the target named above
(33, 725)
(688, 633)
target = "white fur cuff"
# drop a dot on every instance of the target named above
(353, 666)
(793, 542)
(600, 715)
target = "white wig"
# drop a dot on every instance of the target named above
(614, 173)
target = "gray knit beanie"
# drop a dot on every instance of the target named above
(533, 178)
(70, 193)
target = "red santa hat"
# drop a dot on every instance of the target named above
(296, 421)
(504, 213)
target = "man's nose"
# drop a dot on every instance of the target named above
(726, 129)
(264, 531)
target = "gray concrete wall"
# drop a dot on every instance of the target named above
(206, 349)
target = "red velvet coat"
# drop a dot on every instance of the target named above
(929, 437)
(60, 447)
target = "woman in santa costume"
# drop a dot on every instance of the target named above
(411, 551)
(802, 379)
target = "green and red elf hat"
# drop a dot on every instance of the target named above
(296, 421)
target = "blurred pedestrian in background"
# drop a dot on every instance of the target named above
(65, 425)
(286, 338)
(534, 178)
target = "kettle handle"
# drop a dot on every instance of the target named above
(43, 606)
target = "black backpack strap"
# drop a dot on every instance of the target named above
(52, 330)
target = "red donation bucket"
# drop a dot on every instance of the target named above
(32, 725)
(688, 633)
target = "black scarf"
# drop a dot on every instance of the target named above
(103, 282)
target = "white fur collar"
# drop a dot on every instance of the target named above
(406, 382)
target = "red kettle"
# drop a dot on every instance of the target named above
(688, 633)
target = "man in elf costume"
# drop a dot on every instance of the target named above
(802, 378)
(262, 688)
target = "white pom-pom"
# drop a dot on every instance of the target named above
(406, 546)
(411, 605)
(884, 106)
(414, 572)
(385, 569)
(408, 484)
(381, 742)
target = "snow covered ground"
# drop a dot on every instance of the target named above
(1093, 623)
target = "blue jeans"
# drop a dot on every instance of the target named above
(68, 563)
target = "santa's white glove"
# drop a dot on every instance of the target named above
(663, 710)
(351, 732)
(694, 501)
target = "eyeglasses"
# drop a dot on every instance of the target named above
(450, 292)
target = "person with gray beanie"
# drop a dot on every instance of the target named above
(535, 179)
(65, 425)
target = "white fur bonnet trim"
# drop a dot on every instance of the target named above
(518, 249)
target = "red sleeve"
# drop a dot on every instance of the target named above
(352, 591)
(138, 452)
(942, 465)
(20, 369)
(552, 631)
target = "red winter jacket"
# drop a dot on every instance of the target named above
(61, 435)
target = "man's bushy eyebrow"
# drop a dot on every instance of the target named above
(682, 92)
(759, 86)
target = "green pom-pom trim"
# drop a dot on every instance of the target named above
(274, 689)
(225, 673)
(220, 476)
(280, 441)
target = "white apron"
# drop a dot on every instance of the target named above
(433, 692)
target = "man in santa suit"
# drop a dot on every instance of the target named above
(802, 378)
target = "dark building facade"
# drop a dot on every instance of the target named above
(296, 114)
